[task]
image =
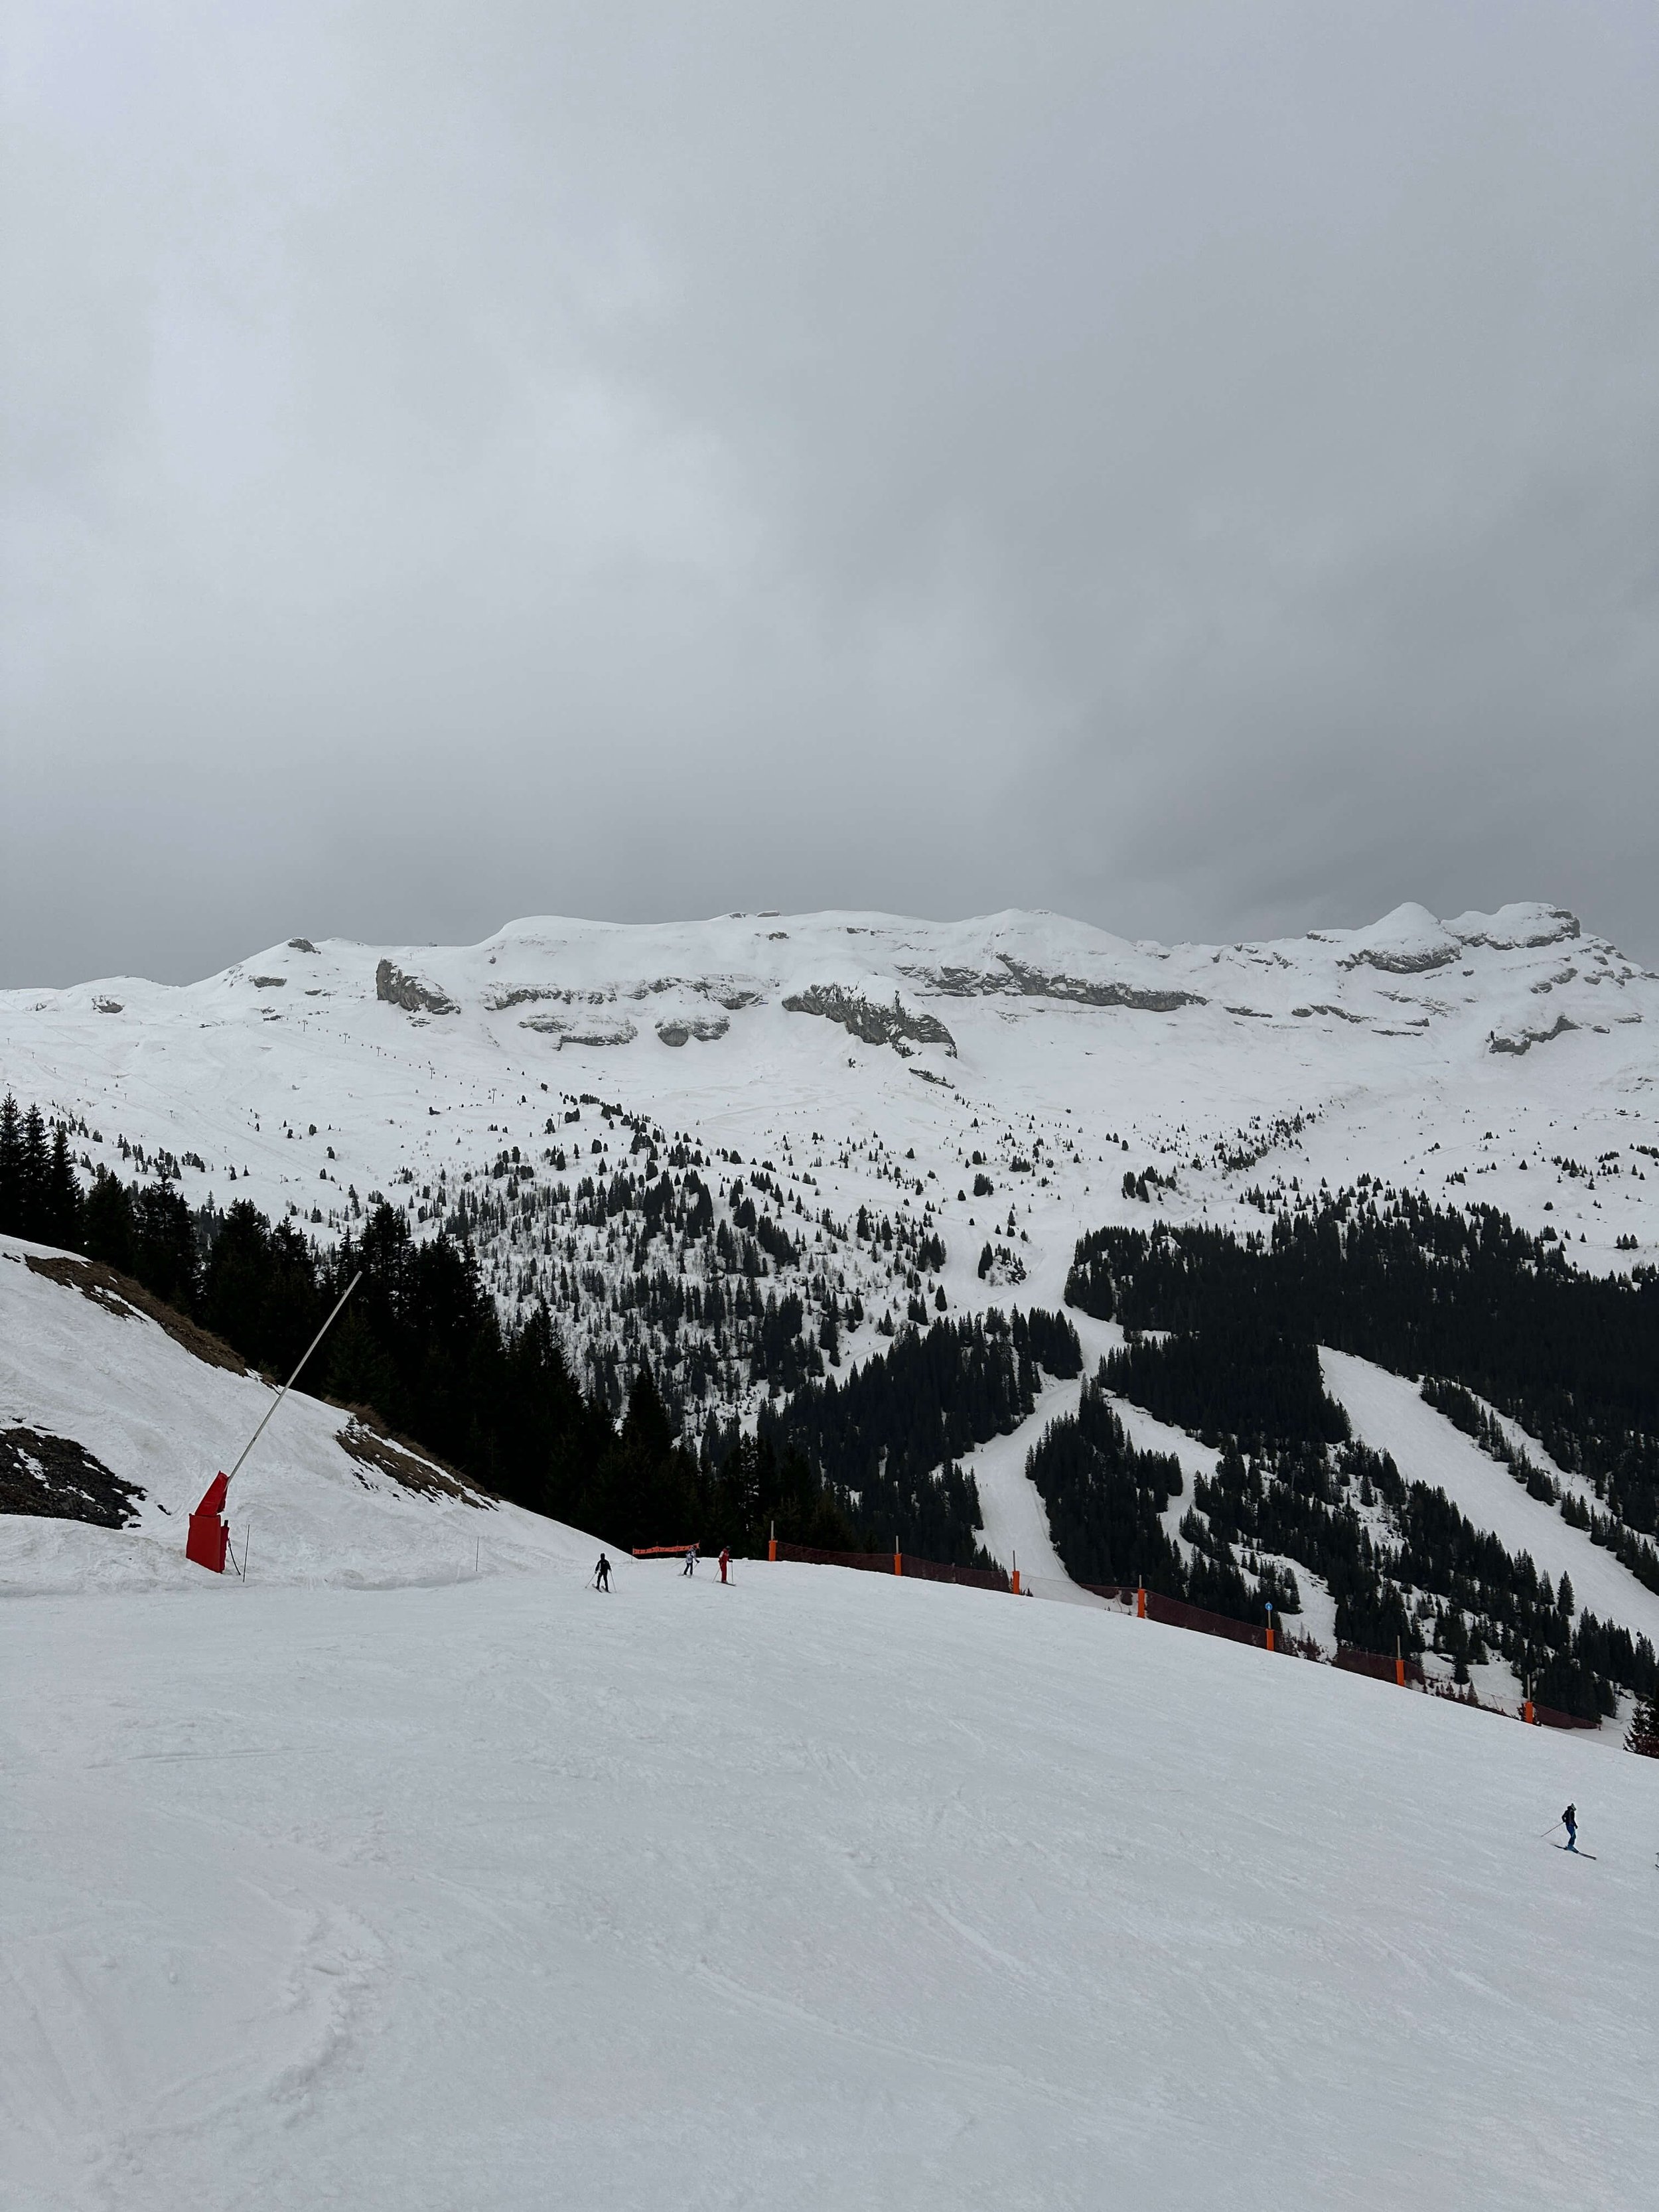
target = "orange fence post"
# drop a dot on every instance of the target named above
(1014, 1578)
(772, 1542)
(1140, 1601)
(898, 1560)
(1399, 1664)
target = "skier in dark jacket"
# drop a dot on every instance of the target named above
(1570, 1822)
(602, 1574)
(690, 1566)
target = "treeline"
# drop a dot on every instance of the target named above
(1398, 1557)
(1299, 1502)
(420, 1345)
(844, 1466)
(1240, 1380)
(1421, 1289)
(1105, 1499)
(655, 1259)
(39, 1196)
(888, 1437)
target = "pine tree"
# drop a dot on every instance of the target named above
(11, 1167)
(62, 1225)
(1643, 1735)
(35, 1169)
(107, 1226)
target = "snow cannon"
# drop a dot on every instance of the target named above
(209, 1540)
(209, 1532)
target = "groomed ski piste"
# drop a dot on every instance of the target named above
(411, 1872)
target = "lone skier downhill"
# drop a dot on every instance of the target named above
(602, 1574)
(725, 1561)
(1570, 1822)
(690, 1566)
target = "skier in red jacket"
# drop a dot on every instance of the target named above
(725, 1561)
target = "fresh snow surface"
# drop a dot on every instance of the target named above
(823, 1890)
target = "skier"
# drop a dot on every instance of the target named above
(690, 1566)
(1569, 1821)
(725, 1561)
(602, 1574)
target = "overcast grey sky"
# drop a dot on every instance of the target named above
(1192, 467)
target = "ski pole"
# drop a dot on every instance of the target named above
(1551, 1830)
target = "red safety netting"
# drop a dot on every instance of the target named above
(905, 1563)
(1374, 1663)
(1175, 1612)
(936, 1570)
(874, 1563)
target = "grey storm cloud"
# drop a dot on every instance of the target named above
(1194, 466)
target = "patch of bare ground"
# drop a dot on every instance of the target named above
(55, 1479)
(371, 1444)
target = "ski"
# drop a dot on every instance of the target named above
(1571, 1853)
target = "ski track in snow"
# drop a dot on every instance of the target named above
(825, 1890)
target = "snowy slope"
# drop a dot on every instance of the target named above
(158, 1417)
(826, 1891)
(1387, 1413)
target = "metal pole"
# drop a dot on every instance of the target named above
(295, 1377)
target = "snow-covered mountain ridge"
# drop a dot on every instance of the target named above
(1488, 1047)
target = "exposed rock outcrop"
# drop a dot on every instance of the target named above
(397, 989)
(705, 1029)
(870, 1023)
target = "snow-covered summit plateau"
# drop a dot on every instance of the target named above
(1471, 1058)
